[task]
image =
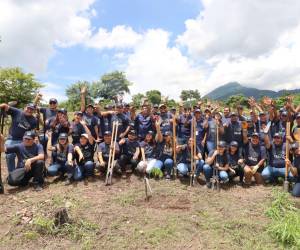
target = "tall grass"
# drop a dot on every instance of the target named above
(285, 221)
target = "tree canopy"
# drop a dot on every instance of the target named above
(188, 95)
(154, 96)
(17, 86)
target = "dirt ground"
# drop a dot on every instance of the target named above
(119, 217)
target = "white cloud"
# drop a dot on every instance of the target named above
(31, 29)
(233, 28)
(252, 41)
(52, 90)
(256, 43)
(155, 65)
(120, 37)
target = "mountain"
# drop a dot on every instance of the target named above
(234, 88)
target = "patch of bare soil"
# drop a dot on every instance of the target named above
(119, 217)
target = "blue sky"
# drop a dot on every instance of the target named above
(80, 63)
(168, 45)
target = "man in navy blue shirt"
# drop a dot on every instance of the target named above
(143, 123)
(31, 157)
(22, 121)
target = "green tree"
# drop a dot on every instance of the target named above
(110, 86)
(17, 86)
(154, 96)
(235, 100)
(137, 99)
(188, 95)
(73, 94)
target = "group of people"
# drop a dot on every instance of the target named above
(263, 146)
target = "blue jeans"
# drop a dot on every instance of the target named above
(55, 168)
(208, 173)
(210, 146)
(86, 169)
(11, 158)
(270, 173)
(167, 164)
(184, 168)
(296, 190)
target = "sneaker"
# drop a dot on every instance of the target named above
(124, 176)
(68, 182)
(168, 177)
(208, 184)
(38, 187)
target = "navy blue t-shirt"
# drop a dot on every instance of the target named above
(129, 147)
(233, 158)
(186, 154)
(91, 122)
(104, 149)
(233, 132)
(222, 160)
(254, 153)
(87, 151)
(165, 151)
(77, 131)
(48, 114)
(105, 123)
(277, 155)
(143, 124)
(123, 122)
(184, 126)
(20, 123)
(61, 156)
(166, 122)
(57, 129)
(151, 150)
(23, 153)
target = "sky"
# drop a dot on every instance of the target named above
(168, 45)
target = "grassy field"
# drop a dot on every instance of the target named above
(118, 217)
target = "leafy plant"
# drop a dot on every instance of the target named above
(156, 173)
(285, 225)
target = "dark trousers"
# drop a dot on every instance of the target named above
(296, 190)
(36, 172)
(239, 171)
(127, 160)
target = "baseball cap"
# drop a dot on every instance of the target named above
(52, 100)
(31, 106)
(254, 134)
(166, 133)
(132, 132)
(29, 135)
(90, 105)
(63, 136)
(64, 111)
(107, 132)
(150, 132)
(85, 135)
(162, 105)
(234, 144)
(222, 144)
(79, 113)
(277, 135)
